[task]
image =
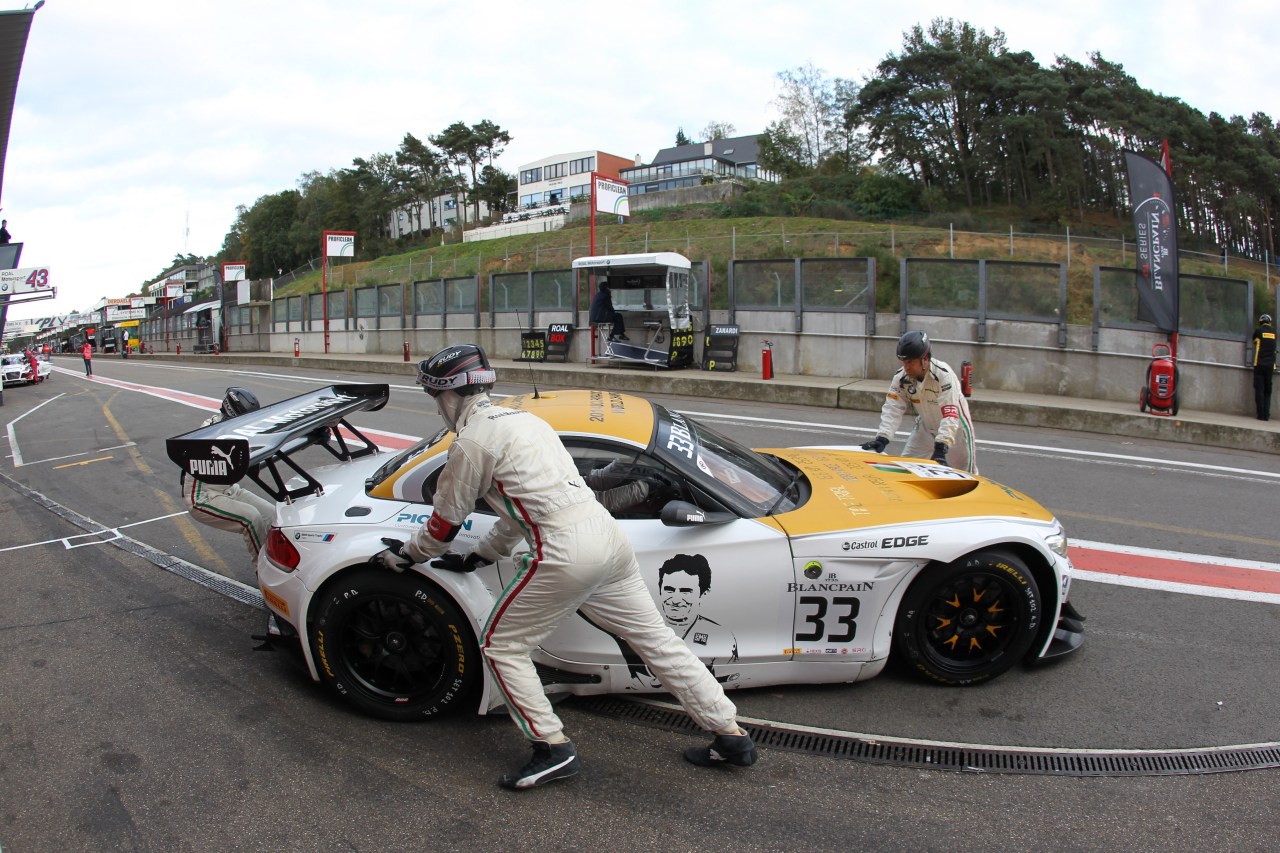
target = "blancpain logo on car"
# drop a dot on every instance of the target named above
(860, 586)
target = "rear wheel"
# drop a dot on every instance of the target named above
(967, 622)
(395, 647)
(1143, 399)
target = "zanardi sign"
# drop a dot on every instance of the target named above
(29, 280)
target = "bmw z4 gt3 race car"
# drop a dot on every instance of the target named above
(777, 566)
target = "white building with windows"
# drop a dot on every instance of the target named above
(544, 189)
(444, 211)
(698, 163)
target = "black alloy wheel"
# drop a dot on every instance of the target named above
(966, 622)
(395, 647)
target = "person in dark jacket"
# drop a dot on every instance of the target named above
(1264, 364)
(602, 311)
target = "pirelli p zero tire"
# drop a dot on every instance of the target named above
(395, 647)
(966, 622)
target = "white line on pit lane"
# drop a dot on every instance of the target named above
(13, 436)
(95, 537)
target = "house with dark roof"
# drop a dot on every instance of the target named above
(699, 163)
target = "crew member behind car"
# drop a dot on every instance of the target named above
(943, 429)
(602, 311)
(1264, 364)
(231, 507)
(579, 559)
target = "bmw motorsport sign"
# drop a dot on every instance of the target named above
(27, 280)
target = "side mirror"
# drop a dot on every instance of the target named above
(685, 514)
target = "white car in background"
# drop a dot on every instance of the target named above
(17, 369)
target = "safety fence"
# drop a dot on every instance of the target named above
(978, 289)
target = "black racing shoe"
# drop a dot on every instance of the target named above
(550, 761)
(737, 750)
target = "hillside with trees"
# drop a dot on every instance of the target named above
(953, 124)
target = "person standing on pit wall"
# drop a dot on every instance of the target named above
(943, 428)
(1264, 364)
(602, 311)
(231, 507)
(86, 352)
(578, 560)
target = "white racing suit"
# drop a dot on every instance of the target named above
(578, 558)
(230, 507)
(941, 412)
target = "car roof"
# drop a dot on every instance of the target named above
(586, 412)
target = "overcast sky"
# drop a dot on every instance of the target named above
(141, 125)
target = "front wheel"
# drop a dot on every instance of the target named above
(395, 647)
(966, 622)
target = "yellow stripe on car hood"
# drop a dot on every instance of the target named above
(851, 489)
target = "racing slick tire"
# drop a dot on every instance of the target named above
(395, 647)
(966, 622)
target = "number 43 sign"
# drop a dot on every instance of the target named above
(30, 280)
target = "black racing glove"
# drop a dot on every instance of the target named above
(877, 444)
(452, 561)
(394, 558)
(939, 453)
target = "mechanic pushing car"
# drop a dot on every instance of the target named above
(231, 507)
(579, 559)
(943, 429)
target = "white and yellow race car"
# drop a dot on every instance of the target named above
(777, 566)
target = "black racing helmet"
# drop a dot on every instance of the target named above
(239, 401)
(1264, 320)
(914, 344)
(463, 368)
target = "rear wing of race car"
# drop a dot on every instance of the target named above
(257, 444)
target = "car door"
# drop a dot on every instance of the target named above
(722, 587)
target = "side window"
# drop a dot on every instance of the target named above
(429, 493)
(628, 483)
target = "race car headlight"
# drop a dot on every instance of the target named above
(1057, 542)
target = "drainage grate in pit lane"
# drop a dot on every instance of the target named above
(965, 758)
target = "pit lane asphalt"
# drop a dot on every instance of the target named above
(118, 664)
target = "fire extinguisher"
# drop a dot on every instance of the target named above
(297, 348)
(966, 378)
(406, 350)
(766, 361)
(179, 349)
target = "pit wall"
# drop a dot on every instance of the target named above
(1016, 356)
